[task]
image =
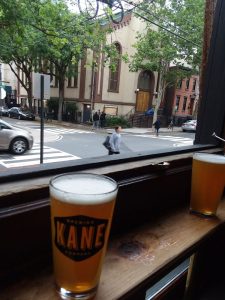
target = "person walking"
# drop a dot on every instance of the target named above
(157, 126)
(115, 140)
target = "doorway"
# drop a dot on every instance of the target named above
(86, 113)
(146, 82)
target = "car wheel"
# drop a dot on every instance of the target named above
(19, 146)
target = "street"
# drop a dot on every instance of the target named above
(65, 143)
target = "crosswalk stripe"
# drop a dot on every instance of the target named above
(29, 157)
(32, 157)
(66, 131)
(35, 162)
(176, 139)
(45, 150)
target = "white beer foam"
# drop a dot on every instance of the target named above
(83, 189)
(210, 158)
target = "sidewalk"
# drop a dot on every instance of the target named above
(133, 130)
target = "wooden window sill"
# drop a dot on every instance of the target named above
(134, 260)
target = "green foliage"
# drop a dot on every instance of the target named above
(176, 41)
(45, 36)
(112, 121)
(71, 107)
(53, 105)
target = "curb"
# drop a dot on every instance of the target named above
(135, 130)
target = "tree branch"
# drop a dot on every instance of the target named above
(17, 76)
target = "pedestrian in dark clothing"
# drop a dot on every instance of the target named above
(157, 126)
(96, 118)
(102, 119)
(115, 140)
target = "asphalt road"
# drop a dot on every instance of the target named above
(63, 143)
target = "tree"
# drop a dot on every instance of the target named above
(176, 40)
(65, 40)
(49, 38)
(19, 51)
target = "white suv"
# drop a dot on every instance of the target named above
(14, 139)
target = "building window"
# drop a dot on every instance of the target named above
(179, 84)
(194, 85)
(114, 76)
(184, 104)
(177, 103)
(72, 76)
(187, 84)
(144, 82)
(53, 79)
(51, 75)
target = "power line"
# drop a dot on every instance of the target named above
(151, 14)
(158, 25)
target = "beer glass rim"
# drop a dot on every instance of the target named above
(84, 174)
(221, 161)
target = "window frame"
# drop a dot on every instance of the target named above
(112, 79)
(12, 213)
(178, 97)
(184, 106)
(194, 84)
(203, 134)
(187, 84)
(72, 81)
(179, 84)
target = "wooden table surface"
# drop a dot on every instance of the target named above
(131, 258)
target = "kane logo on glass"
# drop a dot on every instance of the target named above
(79, 237)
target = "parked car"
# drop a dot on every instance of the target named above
(15, 139)
(189, 125)
(21, 114)
(3, 111)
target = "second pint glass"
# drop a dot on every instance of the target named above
(208, 181)
(81, 213)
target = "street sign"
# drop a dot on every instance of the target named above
(37, 85)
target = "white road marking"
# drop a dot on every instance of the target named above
(179, 141)
(66, 131)
(32, 157)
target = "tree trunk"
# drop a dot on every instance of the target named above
(61, 96)
(159, 99)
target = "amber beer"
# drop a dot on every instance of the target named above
(81, 212)
(208, 181)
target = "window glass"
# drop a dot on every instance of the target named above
(194, 85)
(145, 80)
(187, 83)
(72, 76)
(81, 137)
(114, 75)
(179, 84)
(184, 104)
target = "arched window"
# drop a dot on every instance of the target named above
(72, 75)
(114, 76)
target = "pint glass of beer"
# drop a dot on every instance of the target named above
(81, 213)
(208, 181)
